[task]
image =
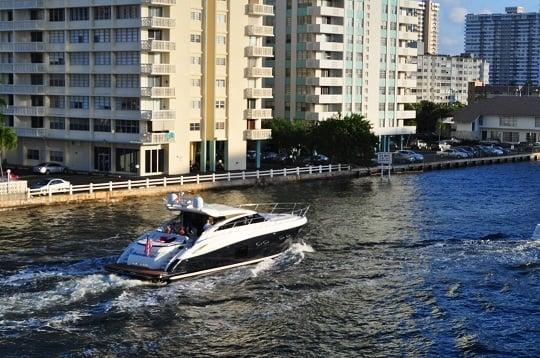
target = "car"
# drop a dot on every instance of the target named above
(50, 167)
(316, 159)
(467, 152)
(454, 153)
(55, 185)
(407, 156)
(251, 155)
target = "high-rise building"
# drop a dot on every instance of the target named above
(134, 86)
(336, 57)
(510, 42)
(445, 79)
(428, 27)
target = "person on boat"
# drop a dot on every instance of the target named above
(208, 225)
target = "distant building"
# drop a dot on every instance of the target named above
(509, 119)
(428, 27)
(510, 42)
(479, 91)
(445, 79)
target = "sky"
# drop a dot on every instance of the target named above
(452, 19)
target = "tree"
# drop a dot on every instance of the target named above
(8, 141)
(287, 134)
(429, 114)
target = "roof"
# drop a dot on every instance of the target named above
(500, 106)
(213, 210)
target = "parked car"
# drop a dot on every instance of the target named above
(490, 151)
(468, 153)
(50, 167)
(251, 155)
(316, 159)
(407, 156)
(454, 153)
(51, 185)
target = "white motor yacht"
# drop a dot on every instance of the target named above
(205, 238)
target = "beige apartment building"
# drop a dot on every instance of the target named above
(138, 87)
(340, 56)
(428, 27)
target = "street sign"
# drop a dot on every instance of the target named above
(384, 158)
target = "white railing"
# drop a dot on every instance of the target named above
(194, 179)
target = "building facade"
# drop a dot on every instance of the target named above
(445, 79)
(138, 87)
(337, 57)
(509, 42)
(507, 119)
(428, 27)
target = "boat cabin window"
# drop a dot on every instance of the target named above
(191, 223)
(245, 220)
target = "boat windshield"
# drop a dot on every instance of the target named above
(190, 224)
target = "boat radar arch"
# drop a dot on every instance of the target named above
(198, 202)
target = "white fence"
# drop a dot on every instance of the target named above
(14, 189)
(194, 179)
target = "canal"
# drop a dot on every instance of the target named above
(440, 263)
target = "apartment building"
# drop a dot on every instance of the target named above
(428, 27)
(337, 57)
(138, 87)
(510, 42)
(445, 79)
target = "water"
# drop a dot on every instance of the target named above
(440, 263)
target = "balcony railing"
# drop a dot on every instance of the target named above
(23, 89)
(157, 92)
(24, 111)
(258, 114)
(21, 4)
(158, 115)
(158, 22)
(258, 93)
(157, 69)
(23, 46)
(259, 51)
(158, 138)
(159, 2)
(252, 30)
(157, 45)
(22, 67)
(260, 10)
(258, 72)
(258, 134)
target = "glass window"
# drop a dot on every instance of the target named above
(102, 35)
(195, 38)
(56, 156)
(36, 122)
(79, 58)
(79, 80)
(127, 58)
(126, 126)
(57, 123)
(79, 14)
(78, 36)
(56, 15)
(196, 15)
(128, 104)
(102, 103)
(102, 13)
(194, 126)
(127, 160)
(56, 37)
(127, 81)
(56, 58)
(102, 81)
(127, 11)
(127, 35)
(79, 124)
(154, 160)
(57, 101)
(57, 80)
(78, 102)
(32, 154)
(102, 58)
(102, 125)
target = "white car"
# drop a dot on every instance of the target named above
(51, 185)
(50, 167)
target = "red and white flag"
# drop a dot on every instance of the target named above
(148, 247)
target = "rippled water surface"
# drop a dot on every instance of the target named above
(440, 263)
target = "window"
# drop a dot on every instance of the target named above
(196, 104)
(196, 82)
(155, 159)
(195, 38)
(127, 58)
(196, 15)
(102, 81)
(537, 122)
(56, 15)
(79, 58)
(102, 125)
(57, 123)
(80, 80)
(127, 81)
(220, 83)
(79, 14)
(126, 126)
(220, 103)
(36, 36)
(195, 60)
(56, 156)
(194, 126)
(102, 13)
(32, 154)
(36, 122)
(221, 40)
(79, 124)
(220, 125)
(56, 58)
(505, 121)
(127, 160)
(102, 58)
(127, 35)
(128, 104)
(102, 103)
(56, 37)
(222, 19)
(102, 35)
(220, 61)
(512, 137)
(57, 80)
(36, 101)
(127, 12)
(57, 101)
(78, 102)
(78, 36)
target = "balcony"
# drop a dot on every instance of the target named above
(158, 2)
(23, 46)
(324, 81)
(24, 111)
(406, 114)
(331, 64)
(158, 115)
(22, 25)
(325, 11)
(325, 29)
(260, 10)
(408, 35)
(157, 69)
(324, 98)
(23, 67)
(258, 72)
(406, 98)
(406, 82)
(21, 4)
(252, 30)
(407, 51)
(158, 92)
(157, 45)
(259, 51)
(258, 93)
(157, 138)
(325, 46)
(22, 89)
(407, 67)
(257, 114)
(257, 134)
(158, 22)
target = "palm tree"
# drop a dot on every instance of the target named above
(8, 141)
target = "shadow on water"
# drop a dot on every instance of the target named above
(436, 264)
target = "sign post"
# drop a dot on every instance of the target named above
(384, 159)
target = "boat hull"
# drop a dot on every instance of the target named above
(242, 253)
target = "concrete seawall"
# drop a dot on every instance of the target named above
(117, 195)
